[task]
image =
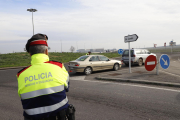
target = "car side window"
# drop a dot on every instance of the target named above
(147, 52)
(138, 52)
(94, 58)
(143, 52)
(103, 58)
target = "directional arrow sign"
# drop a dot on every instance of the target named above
(120, 51)
(164, 61)
(130, 38)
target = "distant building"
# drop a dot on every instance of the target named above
(81, 50)
(99, 50)
(111, 50)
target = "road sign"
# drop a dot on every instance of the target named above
(120, 51)
(130, 38)
(164, 61)
(150, 62)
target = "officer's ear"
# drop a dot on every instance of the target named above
(30, 54)
(46, 52)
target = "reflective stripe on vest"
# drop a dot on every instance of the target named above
(46, 109)
(42, 92)
(67, 81)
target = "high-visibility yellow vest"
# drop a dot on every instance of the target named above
(42, 87)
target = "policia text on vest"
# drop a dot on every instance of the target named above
(42, 86)
(38, 79)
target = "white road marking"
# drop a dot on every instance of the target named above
(131, 85)
(151, 63)
(166, 72)
(170, 73)
(78, 77)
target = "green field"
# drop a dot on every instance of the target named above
(23, 59)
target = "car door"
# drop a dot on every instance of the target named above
(125, 56)
(143, 53)
(105, 63)
(147, 53)
(95, 63)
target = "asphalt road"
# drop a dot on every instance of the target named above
(114, 101)
(99, 100)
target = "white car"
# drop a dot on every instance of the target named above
(138, 56)
(90, 63)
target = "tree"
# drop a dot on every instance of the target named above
(72, 49)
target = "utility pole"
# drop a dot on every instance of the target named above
(32, 10)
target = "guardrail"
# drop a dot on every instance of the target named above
(167, 49)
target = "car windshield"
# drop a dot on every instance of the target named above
(82, 58)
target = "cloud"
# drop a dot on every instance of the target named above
(100, 23)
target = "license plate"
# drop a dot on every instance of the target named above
(71, 68)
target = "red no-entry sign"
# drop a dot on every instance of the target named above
(150, 62)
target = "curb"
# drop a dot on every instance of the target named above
(140, 81)
(12, 67)
(17, 67)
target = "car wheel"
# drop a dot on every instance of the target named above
(87, 70)
(116, 67)
(140, 62)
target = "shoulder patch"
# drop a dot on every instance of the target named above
(55, 63)
(22, 70)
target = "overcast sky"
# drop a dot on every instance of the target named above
(89, 23)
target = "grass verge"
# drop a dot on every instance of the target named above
(23, 59)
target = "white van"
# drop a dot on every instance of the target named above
(138, 56)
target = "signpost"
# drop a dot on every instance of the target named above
(164, 61)
(130, 38)
(120, 51)
(150, 62)
(172, 44)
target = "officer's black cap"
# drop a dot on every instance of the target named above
(37, 39)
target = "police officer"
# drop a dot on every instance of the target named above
(42, 86)
(88, 53)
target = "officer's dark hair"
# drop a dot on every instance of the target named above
(37, 39)
(37, 49)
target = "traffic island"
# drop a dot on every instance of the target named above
(140, 81)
